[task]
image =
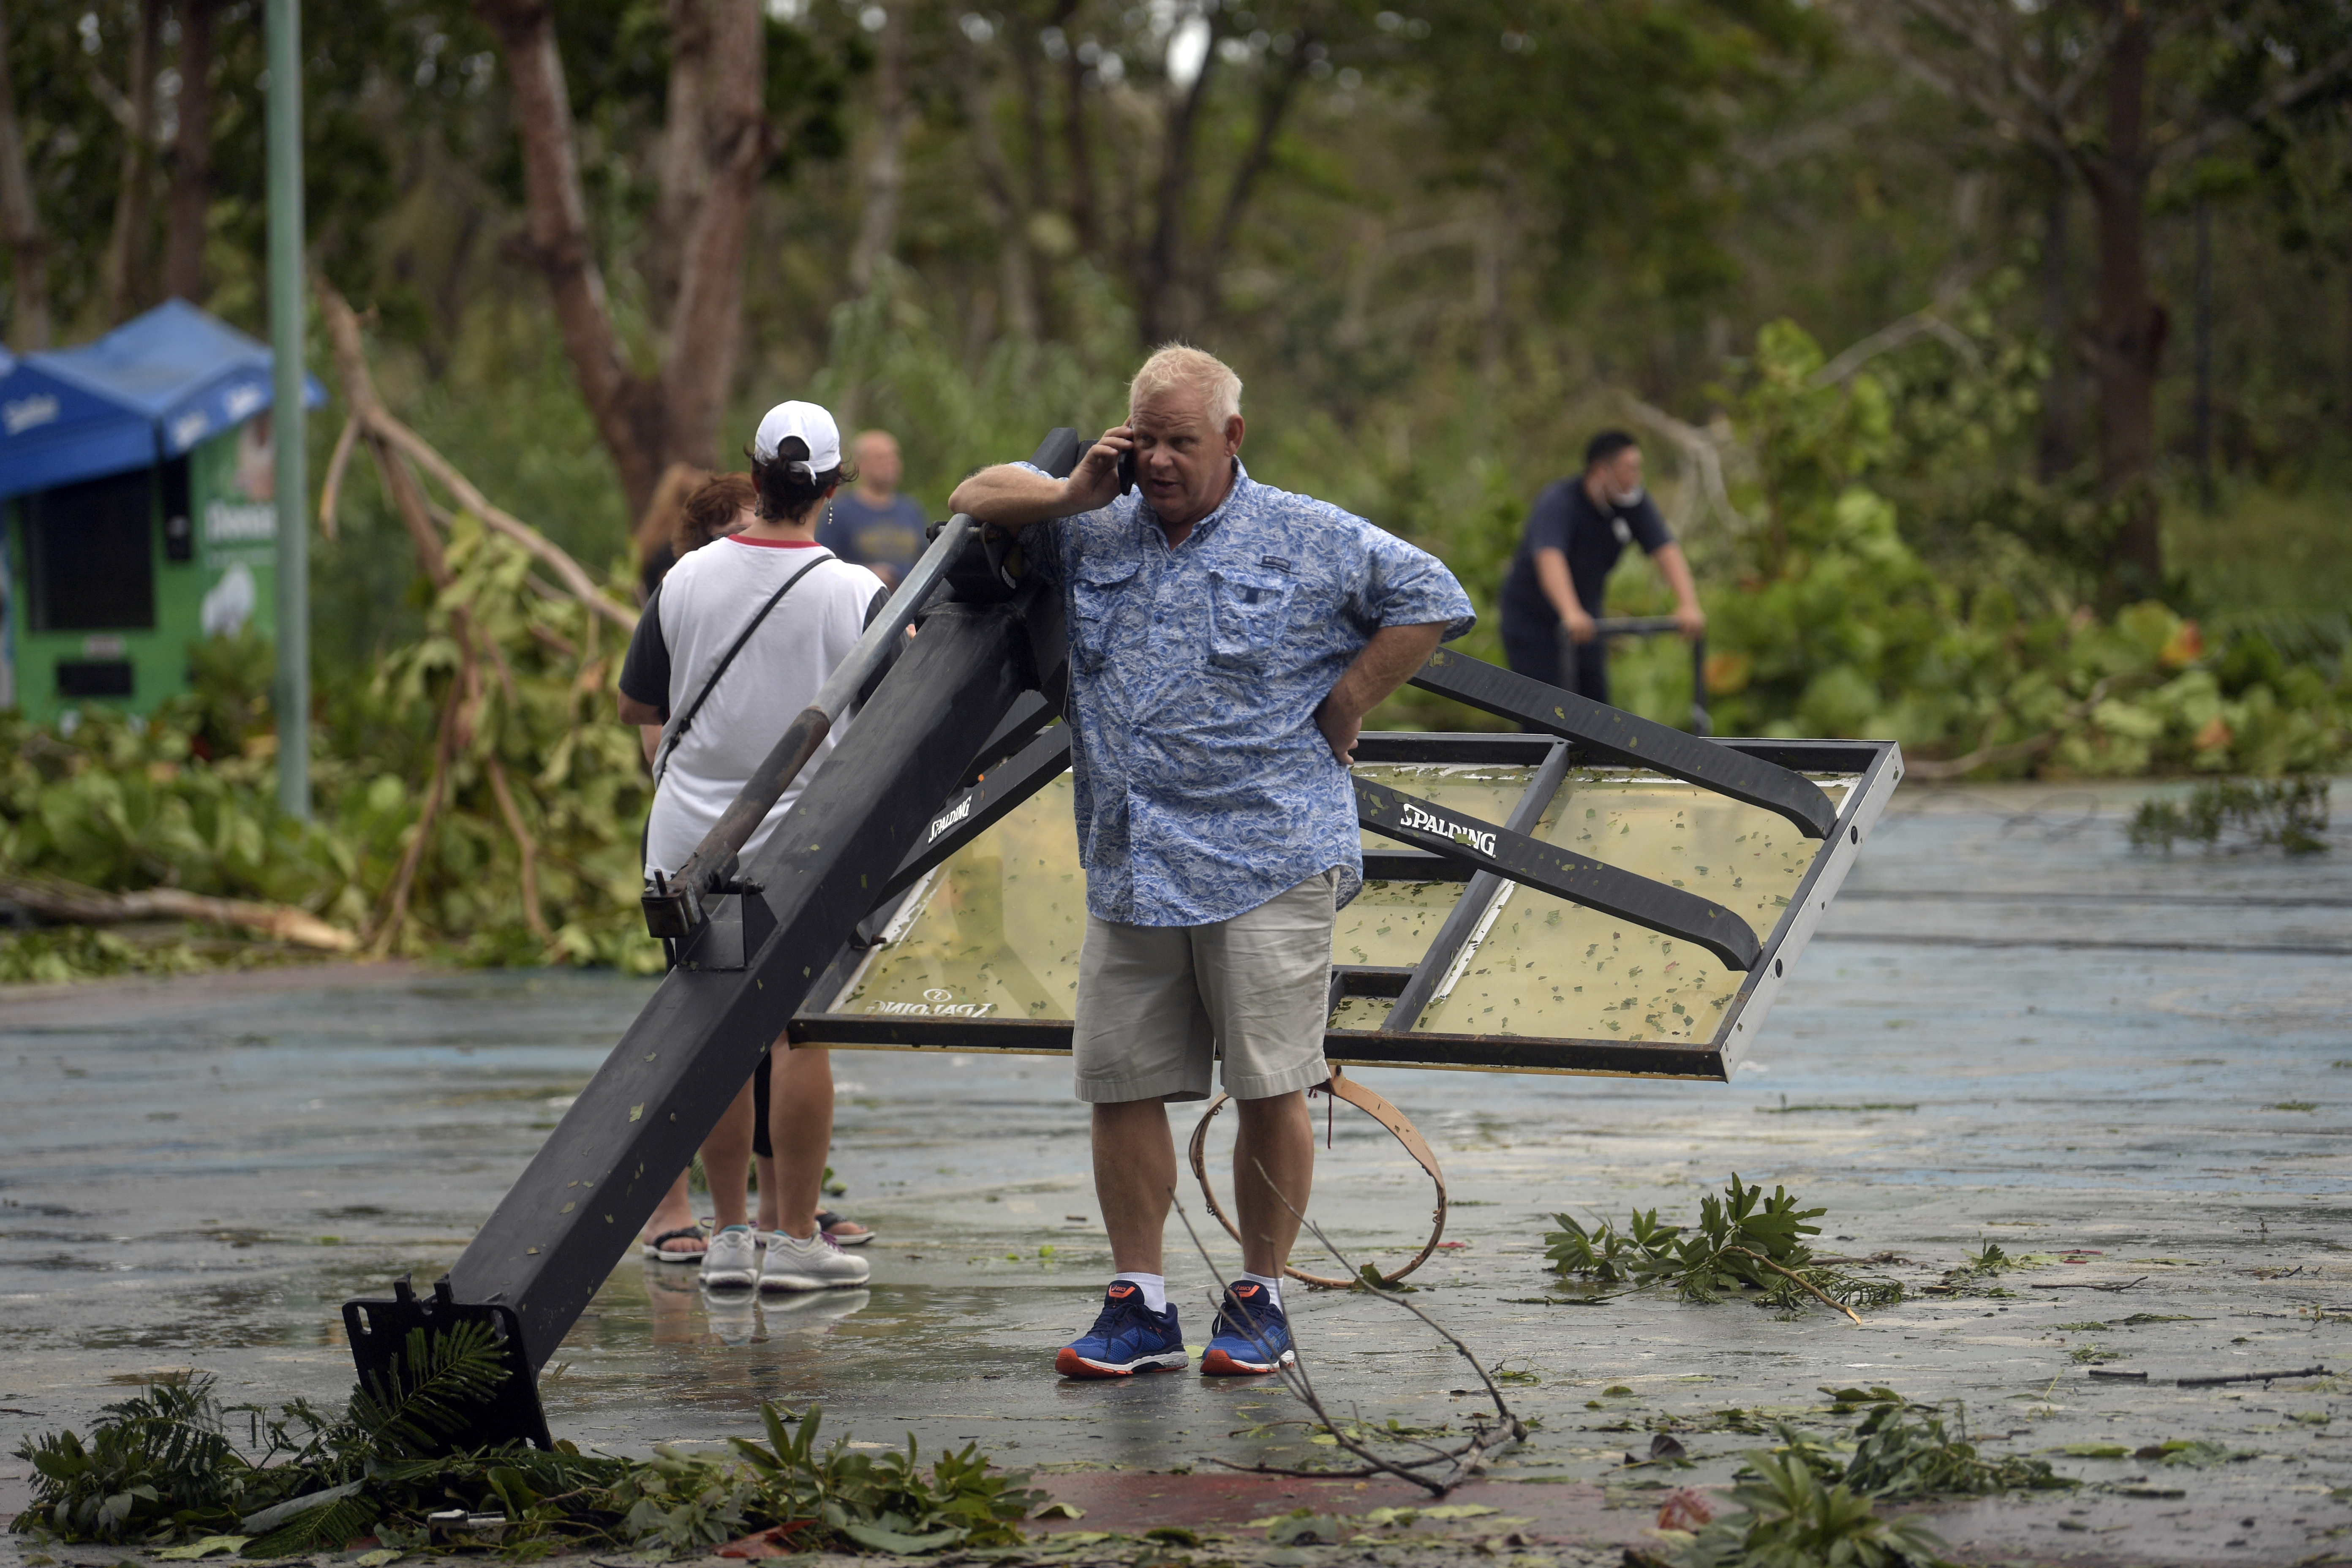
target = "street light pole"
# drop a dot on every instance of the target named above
(291, 693)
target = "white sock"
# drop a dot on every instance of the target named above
(1273, 1288)
(1153, 1286)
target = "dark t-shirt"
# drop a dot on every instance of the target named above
(1564, 519)
(866, 535)
(645, 668)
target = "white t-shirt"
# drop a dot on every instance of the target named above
(704, 602)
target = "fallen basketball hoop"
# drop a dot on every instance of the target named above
(1599, 894)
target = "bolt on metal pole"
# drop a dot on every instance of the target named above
(291, 691)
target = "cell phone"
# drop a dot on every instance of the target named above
(1127, 471)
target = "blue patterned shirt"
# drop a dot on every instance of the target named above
(1204, 786)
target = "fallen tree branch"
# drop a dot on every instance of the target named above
(525, 844)
(1989, 755)
(337, 461)
(1469, 1458)
(2246, 1377)
(1802, 1282)
(73, 904)
(1892, 336)
(1501, 1409)
(379, 423)
(1700, 448)
(1295, 1378)
(445, 747)
(2125, 1286)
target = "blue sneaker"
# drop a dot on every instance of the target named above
(1127, 1338)
(1252, 1335)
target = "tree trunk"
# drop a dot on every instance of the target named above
(188, 205)
(2204, 353)
(682, 168)
(2131, 327)
(1169, 306)
(627, 412)
(2059, 446)
(20, 218)
(1078, 145)
(123, 281)
(1274, 104)
(1016, 281)
(886, 171)
(706, 330)
(648, 423)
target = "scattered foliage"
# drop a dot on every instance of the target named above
(185, 796)
(163, 1467)
(1996, 657)
(1904, 1450)
(1978, 1269)
(1789, 1518)
(1743, 1240)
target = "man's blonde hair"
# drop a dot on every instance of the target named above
(1181, 367)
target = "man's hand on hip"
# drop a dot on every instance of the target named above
(1388, 661)
(1340, 728)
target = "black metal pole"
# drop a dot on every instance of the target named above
(745, 970)
(2204, 353)
(1702, 721)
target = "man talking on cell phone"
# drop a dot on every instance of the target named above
(1575, 532)
(1226, 640)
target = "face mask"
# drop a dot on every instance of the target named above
(1626, 497)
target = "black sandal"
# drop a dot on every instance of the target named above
(654, 1250)
(826, 1219)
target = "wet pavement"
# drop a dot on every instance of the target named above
(2011, 1029)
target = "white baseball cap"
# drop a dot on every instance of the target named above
(819, 437)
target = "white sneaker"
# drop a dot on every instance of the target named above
(732, 1261)
(816, 1264)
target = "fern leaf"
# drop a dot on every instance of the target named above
(319, 1529)
(429, 1392)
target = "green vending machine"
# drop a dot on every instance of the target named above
(136, 478)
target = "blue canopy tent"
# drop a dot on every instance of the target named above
(135, 486)
(146, 391)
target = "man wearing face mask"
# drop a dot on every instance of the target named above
(1575, 532)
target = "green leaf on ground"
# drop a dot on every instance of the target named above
(196, 1550)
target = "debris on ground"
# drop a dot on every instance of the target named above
(163, 1468)
(1743, 1240)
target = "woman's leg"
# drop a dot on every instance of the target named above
(676, 1211)
(727, 1161)
(770, 1210)
(799, 1125)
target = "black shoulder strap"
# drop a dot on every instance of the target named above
(674, 730)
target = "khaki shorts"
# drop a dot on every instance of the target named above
(1157, 1004)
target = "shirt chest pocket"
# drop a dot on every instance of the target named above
(1100, 599)
(1249, 615)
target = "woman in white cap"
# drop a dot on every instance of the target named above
(789, 611)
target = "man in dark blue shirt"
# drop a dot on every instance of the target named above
(871, 523)
(1575, 532)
